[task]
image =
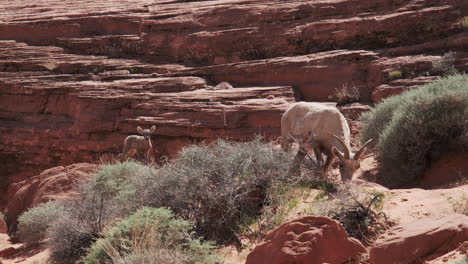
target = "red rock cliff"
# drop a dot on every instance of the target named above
(76, 78)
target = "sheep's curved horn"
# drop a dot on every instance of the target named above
(362, 149)
(345, 148)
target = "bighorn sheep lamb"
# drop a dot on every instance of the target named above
(135, 144)
(327, 132)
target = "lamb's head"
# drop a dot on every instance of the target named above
(146, 133)
(349, 162)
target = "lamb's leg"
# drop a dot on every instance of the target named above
(148, 156)
(124, 152)
(130, 153)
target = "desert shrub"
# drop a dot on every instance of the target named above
(33, 224)
(464, 21)
(346, 95)
(149, 233)
(444, 65)
(215, 186)
(218, 186)
(69, 238)
(395, 74)
(110, 195)
(120, 188)
(358, 210)
(378, 118)
(416, 125)
(463, 260)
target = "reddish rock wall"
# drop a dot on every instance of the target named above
(422, 240)
(102, 68)
(53, 184)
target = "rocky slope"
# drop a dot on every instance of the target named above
(77, 77)
(427, 221)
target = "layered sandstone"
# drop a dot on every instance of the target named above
(422, 239)
(77, 77)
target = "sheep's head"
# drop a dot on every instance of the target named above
(349, 162)
(146, 133)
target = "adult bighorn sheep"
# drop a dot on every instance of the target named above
(326, 130)
(135, 144)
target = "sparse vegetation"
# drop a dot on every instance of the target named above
(459, 206)
(195, 57)
(150, 236)
(445, 66)
(69, 238)
(33, 224)
(358, 211)
(251, 51)
(416, 125)
(395, 74)
(346, 95)
(220, 188)
(219, 185)
(464, 260)
(111, 195)
(464, 21)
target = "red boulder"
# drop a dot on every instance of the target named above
(307, 240)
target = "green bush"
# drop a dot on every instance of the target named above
(395, 74)
(417, 125)
(150, 236)
(445, 65)
(109, 196)
(69, 237)
(464, 21)
(33, 224)
(121, 187)
(218, 186)
(379, 117)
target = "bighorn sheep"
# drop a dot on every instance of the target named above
(135, 144)
(327, 132)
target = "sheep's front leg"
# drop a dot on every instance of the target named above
(318, 157)
(330, 159)
(297, 161)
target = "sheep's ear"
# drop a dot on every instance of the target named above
(140, 130)
(152, 129)
(337, 153)
(360, 154)
(362, 151)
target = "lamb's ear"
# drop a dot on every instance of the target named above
(140, 130)
(152, 129)
(337, 153)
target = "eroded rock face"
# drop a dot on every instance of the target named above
(97, 75)
(449, 169)
(422, 239)
(455, 256)
(307, 240)
(53, 184)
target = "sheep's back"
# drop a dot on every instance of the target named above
(319, 121)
